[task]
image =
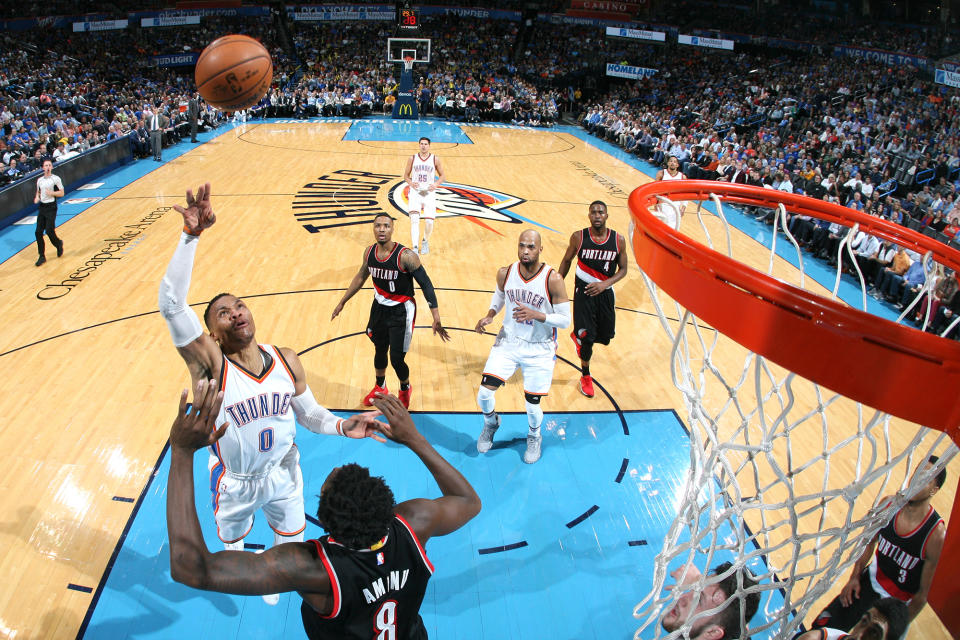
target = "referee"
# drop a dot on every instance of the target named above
(601, 261)
(49, 188)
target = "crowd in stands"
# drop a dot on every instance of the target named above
(877, 139)
(882, 139)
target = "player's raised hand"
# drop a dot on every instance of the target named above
(364, 425)
(198, 428)
(198, 214)
(401, 428)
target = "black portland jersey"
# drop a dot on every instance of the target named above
(597, 261)
(898, 561)
(391, 284)
(377, 592)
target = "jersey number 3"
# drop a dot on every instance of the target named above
(385, 621)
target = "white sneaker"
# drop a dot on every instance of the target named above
(233, 546)
(426, 247)
(486, 436)
(533, 448)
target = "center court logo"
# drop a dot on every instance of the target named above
(475, 203)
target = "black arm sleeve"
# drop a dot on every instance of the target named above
(420, 275)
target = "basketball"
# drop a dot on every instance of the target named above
(233, 72)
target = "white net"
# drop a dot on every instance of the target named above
(787, 479)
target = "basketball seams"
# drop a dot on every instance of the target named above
(234, 66)
(218, 69)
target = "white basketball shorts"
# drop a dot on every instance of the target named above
(535, 359)
(426, 205)
(279, 494)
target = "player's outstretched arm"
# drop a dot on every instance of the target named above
(496, 302)
(564, 267)
(932, 551)
(411, 263)
(197, 348)
(317, 418)
(440, 516)
(286, 567)
(355, 285)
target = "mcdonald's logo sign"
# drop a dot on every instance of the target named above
(406, 110)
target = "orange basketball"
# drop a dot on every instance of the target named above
(233, 72)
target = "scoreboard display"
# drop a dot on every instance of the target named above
(408, 17)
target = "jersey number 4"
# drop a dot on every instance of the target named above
(385, 621)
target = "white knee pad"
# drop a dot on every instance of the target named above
(534, 415)
(485, 400)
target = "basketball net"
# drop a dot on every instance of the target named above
(407, 63)
(796, 522)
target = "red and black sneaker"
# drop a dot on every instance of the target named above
(368, 399)
(404, 396)
(586, 386)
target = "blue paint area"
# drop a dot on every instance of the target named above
(384, 130)
(578, 582)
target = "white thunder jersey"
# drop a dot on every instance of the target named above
(423, 171)
(532, 293)
(257, 409)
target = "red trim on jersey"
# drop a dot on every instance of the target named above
(926, 517)
(525, 280)
(400, 259)
(376, 254)
(391, 296)
(890, 586)
(334, 581)
(423, 553)
(596, 274)
(923, 549)
(602, 242)
(580, 246)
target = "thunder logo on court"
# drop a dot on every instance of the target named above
(474, 203)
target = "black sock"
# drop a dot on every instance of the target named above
(381, 380)
(586, 370)
(404, 386)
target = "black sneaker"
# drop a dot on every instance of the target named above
(60, 250)
(41, 260)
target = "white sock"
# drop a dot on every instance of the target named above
(415, 230)
(233, 546)
(534, 417)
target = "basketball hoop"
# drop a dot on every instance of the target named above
(818, 378)
(408, 63)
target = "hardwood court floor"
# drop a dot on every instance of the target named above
(95, 377)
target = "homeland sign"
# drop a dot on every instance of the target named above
(627, 71)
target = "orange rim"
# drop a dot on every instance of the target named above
(894, 368)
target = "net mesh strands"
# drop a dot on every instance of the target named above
(787, 477)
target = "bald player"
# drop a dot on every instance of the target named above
(536, 306)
